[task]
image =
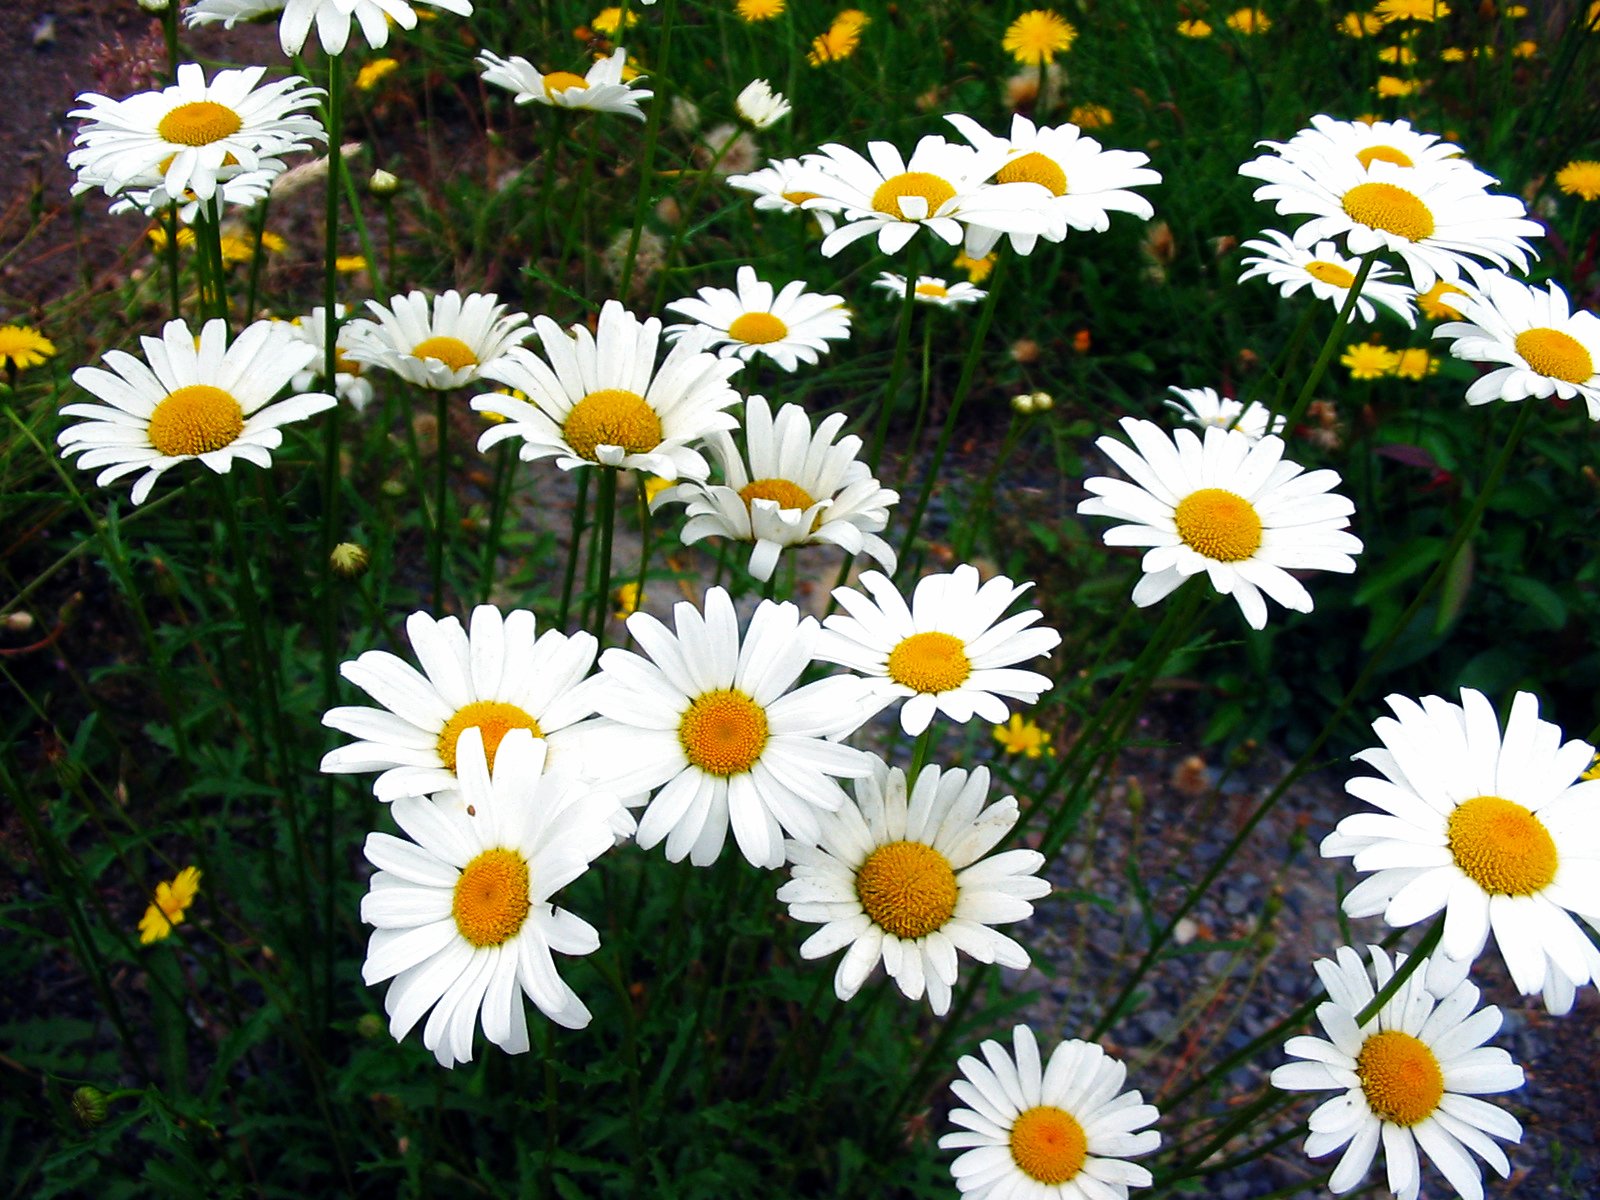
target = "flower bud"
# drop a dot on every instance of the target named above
(89, 1106)
(349, 561)
(383, 184)
(1022, 403)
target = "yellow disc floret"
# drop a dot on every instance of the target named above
(196, 420)
(936, 191)
(492, 719)
(781, 491)
(1502, 847)
(1386, 154)
(1327, 272)
(1048, 1144)
(491, 898)
(723, 732)
(930, 662)
(1400, 1076)
(1555, 354)
(1034, 167)
(563, 81)
(758, 328)
(907, 889)
(452, 352)
(1218, 524)
(199, 123)
(611, 417)
(934, 291)
(1390, 208)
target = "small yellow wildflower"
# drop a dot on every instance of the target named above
(23, 346)
(840, 42)
(1433, 304)
(751, 11)
(349, 264)
(1393, 86)
(1453, 54)
(1359, 25)
(1525, 49)
(609, 20)
(273, 243)
(1404, 55)
(1195, 28)
(977, 269)
(1415, 364)
(1580, 178)
(171, 901)
(1368, 360)
(1021, 736)
(1036, 37)
(1410, 10)
(1249, 21)
(375, 72)
(1515, 11)
(158, 237)
(628, 598)
(853, 18)
(1090, 116)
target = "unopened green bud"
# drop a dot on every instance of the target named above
(383, 184)
(369, 1026)
(1042, 402)
(89, 1106)
(349, 561)
(1022, 403)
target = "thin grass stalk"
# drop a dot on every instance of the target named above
(1291, 351)
(499, 497)
(258, 232)
(897, 366)
(1330, 344)
(675, 242)
(1270, 1102)
(580, 510)
(652, 132)
(980, 503)
(330, 338)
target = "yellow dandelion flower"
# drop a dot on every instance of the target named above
(1249, 21)
(375, 72)
(977, 269)
(1525, 49)
(1195, 28)
(273, 243)
(23, 346)
(236, 249)
(158, 237)
(1415, 364)
(1433, 303)
(349, 264)
(1359, 25)
(840, 42)
(1090, 116)
(172, 899)
(853, 18)
(1515, 11)
(1390, 86)
(1453, 54)
(609, 20)
(1389, 11)
(1021, 736)
(1581, 178)
(751, 11)
(1036, 37)
(628, 597)
(1403, 55)
(1369, 360)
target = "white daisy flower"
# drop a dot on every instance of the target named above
(1057, 1131)
(498, 675)
(947, 652)
(1232, 507)
(907, 882)
(148, 196)
(462, 907)
(349, 380)
(192, 132)
(331, 17)
(1498, 831)
(1203, 407)
(942, 188)
(775, 189)
(1393, 142)
(197, 398)
(601, 88)
(714, 726)
(1086, 183)
(601, 399)
(1410, 1078)
(441, 344)
(760, 105)
(930, 289)
(790, 327)
(800, 488)
(1289, 268)
(1438, 218)
(1547, 348)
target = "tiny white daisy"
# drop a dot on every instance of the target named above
(1409, 1078)
(331, 17)
(601, 88)
(790, 327)
(760, 105)
(800, 487)
(601, 399)
(775, 189)
(1232, 507)
(350, 381)
(948, 651)
(1498, 831)
(441, 344)
(1062, 1130)
(1289, 268)
(1547, 349)
(930, 289)
(197, 398)
(1203, 407)
(904, 880)
(461, 908)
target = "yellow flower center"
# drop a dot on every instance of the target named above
(758, 328)
(1048, 1144)
(195, 420)
(452, 352)
(562, 81)
(799, 197)
(1218, 524)
(1502, 847)
(907, 889)
(937, 290)
(786, 494)
(1386, 154)
(199, 123)
(1327, 272)
(611, 417)
(491, 898)
(930, 662)
(492, 719)
(1389, 208)
(1400, 1076)
(723, 732)
(1556, 354)
(1034, 167)
(911, 183)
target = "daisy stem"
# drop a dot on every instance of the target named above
(170, 224)
(897, 369)
(645, 544)
(580, 509)
(1291, 351)
(980, 503)
(441, 493)
(1430, 940)
(924, 394)
(919, 754)
(499, 497)
(605, 521)
(685, 219)
(257, 233)
(330, 337)
(1330, 344)
(652, 131)
(1270, 1100)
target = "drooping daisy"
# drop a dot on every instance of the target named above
(1410, 1078)
(1057, 1131)
(23, 346)
(800, 488)
(942, 188)
(1038, 36)
(349, 379)
(197, 398)
(601, 89)
(172, 901)
(1547, 348)
(930, 289)
(331, 17)
(193, 130)
(1439, 218)
(601, 399)
(1087, 183)
(461, 907)
(1231, 506)
(1329, 276)
(906, 882)
(1203, 407)
(948, 652)
(441, 344)
(497, 675)
(714, 726)
(1393, 142)
(775, 189)
(1498, 831)
(790, 327)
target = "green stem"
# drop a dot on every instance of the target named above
(1330, 344)
(580, 510)
(980, 503)
(1302, 328)
(1430, 940)
(441, 496)
(605, 518)
(652, 131)
(924, 396)
(902, 343)
(171, 225)
(257, 233)
(499, 498)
